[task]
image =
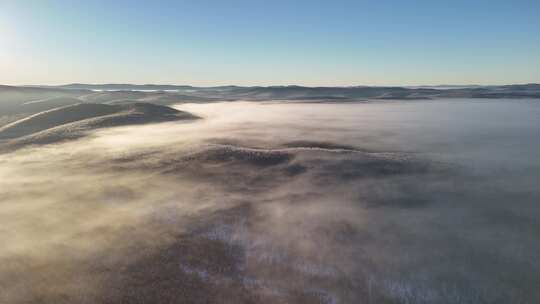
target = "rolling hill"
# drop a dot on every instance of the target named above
(74, 121)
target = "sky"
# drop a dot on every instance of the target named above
(302, 42)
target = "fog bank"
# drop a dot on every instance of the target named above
(387, 202)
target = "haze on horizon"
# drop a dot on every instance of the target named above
(312, 43)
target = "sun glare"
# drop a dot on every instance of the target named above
(5, 37)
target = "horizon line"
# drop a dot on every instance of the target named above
(269, 85)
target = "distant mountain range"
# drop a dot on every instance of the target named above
(330, 93)
(20, 101)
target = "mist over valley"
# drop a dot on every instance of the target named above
(269, 195)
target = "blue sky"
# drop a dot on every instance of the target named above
(270, 42)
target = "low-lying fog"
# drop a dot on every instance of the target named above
(384, 202)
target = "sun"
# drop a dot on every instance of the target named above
(8, 38)
(5, 35)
